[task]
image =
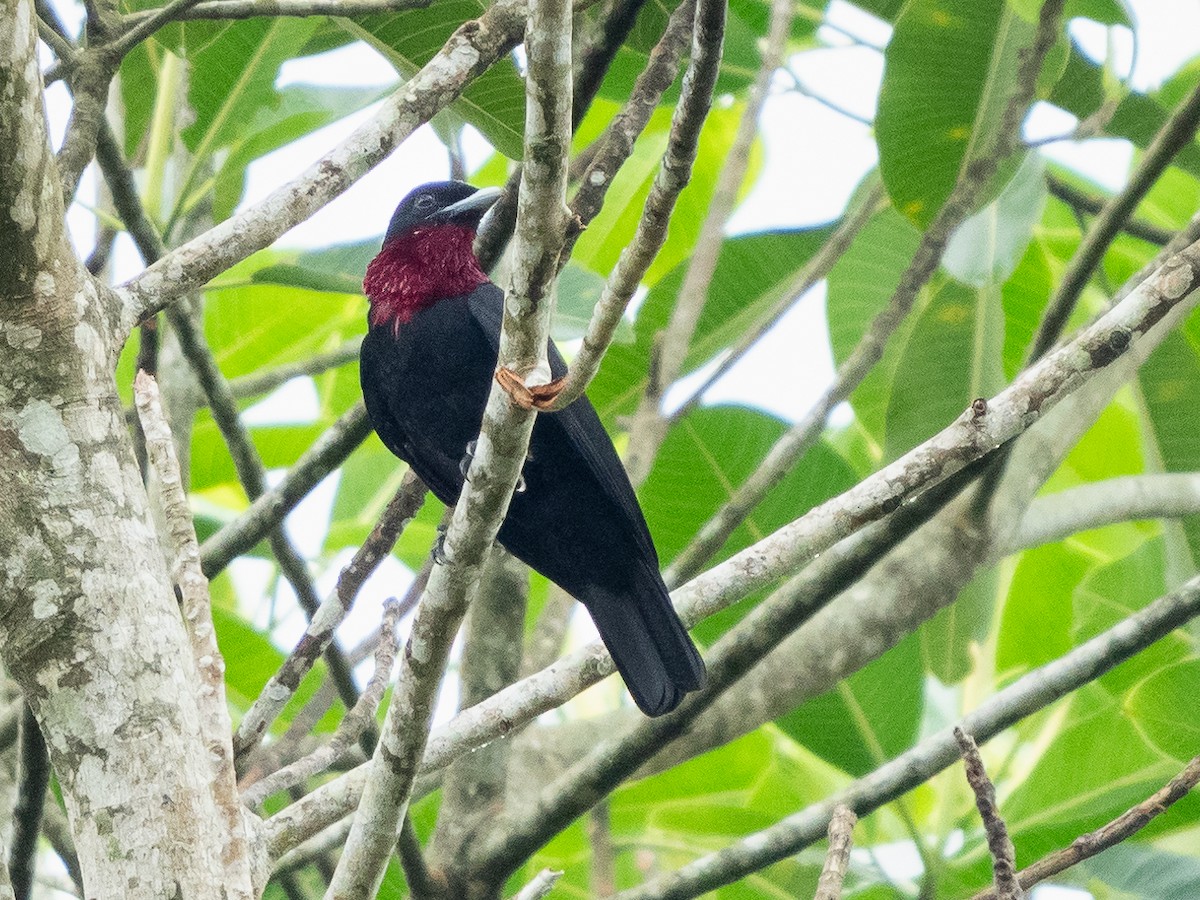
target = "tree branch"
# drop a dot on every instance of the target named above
(249, 9)
(1083, 202)
(353, 724)
(999, 843)
(34, 778)
(1024, 697)
(499, 455)
(649, 426)
(673, 175)
(1177, 132)
(1123, 826)
(319, 634)
(468, 52)
(196, 606)
(837, 859)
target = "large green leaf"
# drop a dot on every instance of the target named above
(301, 109)
(1161, 705)
(949, 70)
(952, 356)
(860, 287)
(752, 274)
(494, 102)
(870, 717)
(1133, 871)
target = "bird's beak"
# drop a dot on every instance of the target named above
(470, 210)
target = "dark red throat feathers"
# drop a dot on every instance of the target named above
(416, 269)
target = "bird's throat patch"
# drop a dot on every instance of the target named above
(416, 269)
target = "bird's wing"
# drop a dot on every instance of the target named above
(578, 424)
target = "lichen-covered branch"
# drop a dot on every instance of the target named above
(999, 843)
(649, 426)
(196, 607)
(319, 634)
(1027, 695)
(837, 858)
(673, 175)
(499, 454)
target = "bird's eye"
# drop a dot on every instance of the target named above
(424, 202)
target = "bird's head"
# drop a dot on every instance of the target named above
(427, 252)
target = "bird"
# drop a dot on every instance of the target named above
(426, 366)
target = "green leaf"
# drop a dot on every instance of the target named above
(752, 273)
(952, 356)
(949, 638)
(1139, 872)
(986, 248)
(494, 102)
(1138, 117)
(860, 286)
(1160, 706)
(1036, 623)
(1170, 383)
(948, 71)
(301, 109)
(578, 292)
(870, 717)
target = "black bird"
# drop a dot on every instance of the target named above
(426, 367)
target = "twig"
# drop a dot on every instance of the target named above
(837, 859)
(673, 175)
(317, 637)
(1156, 305)
(649, 426)
(615, 145)
(812, 273)
(1084, 202)
(1123, 826)
(423, 884)
(249, 9)
(145, 26)
(541, 885)
(968, 189)
(34, 778)
(468, 52)
(499, 454)
(1178, 131)
(1024, 697)
(195, 605)
(354, 723)
(327, 453)
(1004, 864)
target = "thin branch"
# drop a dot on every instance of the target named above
(319, 634)
(468, 52)
(812, 273)
(91, 74)
(145, 26)
(1122, 827)
(649, 426)
(1155, 306)
(196, 607)
(1083, 202)
(1000, 845)
(1027, 695)
(500, 453)
(541, 885)
(615, 145)
(327, 453)
(423, 884)
(34, 778)
(249, 9)
(1127, 499)
(353, 724)
(837, 859)
(265, 381)
(673, 175)
(1178, 131)
(974, 179)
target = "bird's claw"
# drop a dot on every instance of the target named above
(538, 396)
(464, 465)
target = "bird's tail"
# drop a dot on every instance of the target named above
(650, 646)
